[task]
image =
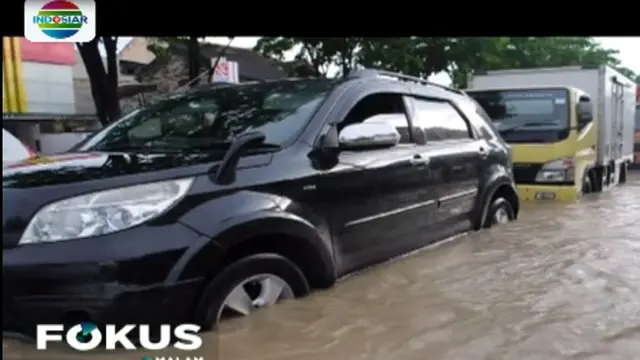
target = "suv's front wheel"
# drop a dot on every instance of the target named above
(251, 283)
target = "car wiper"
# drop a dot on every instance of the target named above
(137, 148)
(225, 145)
(159, 146)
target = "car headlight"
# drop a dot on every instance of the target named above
(558, 170)
(103, 212)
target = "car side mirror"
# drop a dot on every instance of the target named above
(584, 109)
(368, 135)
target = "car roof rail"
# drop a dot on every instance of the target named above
(370, 73)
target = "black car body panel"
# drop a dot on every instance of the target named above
(332, 214)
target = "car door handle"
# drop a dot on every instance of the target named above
(419, 160)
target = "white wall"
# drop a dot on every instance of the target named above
(58, 143)
(48, 88)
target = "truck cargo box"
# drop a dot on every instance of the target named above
(613, 96)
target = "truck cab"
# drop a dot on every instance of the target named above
(570, 128)
(551, 145)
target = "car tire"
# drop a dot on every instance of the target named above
(587, 185)
(500, 212)
(216, 293)
(623, 173)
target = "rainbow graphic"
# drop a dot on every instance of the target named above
(60, 19)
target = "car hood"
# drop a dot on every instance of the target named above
(26, 183)
(76, 167)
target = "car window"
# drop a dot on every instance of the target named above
(440, 121)
(12, 148)
(148, 129)
(478, 118)
(377, 104)
(201, 119)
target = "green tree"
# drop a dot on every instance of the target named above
(417, 56)
(160, 47)
(458, 56)
(420, 56)
(528, 52)
(319, 53)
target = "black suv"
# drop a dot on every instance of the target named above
(228, 198)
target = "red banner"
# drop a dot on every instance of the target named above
(48, 53)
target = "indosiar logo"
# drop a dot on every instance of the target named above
(87, 336)
(60, 20)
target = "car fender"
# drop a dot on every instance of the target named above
(498, 176)
(260, 217)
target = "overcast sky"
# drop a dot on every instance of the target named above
(629, 48)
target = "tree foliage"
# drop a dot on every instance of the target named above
(415, 55)
(161, 48)
(423, 56)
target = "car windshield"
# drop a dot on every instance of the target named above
(209, 118)
(525, 110)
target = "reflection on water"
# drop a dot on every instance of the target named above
(561, 283)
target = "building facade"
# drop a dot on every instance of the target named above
(38, 97)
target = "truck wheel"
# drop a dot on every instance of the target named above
(251, 283)
(500, 212)
(623, 173)
(587, 185)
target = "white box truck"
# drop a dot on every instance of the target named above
(571, 128)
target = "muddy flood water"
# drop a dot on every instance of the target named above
(563, 282)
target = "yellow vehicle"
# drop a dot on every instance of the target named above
(570, 128)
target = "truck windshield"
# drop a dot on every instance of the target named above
(209, 118)
(534, 115)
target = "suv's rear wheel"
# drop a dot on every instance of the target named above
(251, 283)
(500, 212)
